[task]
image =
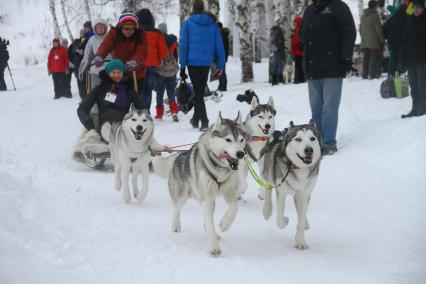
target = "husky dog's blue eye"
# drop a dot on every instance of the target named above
(313, 139)
(298, 140)
(133, 119)
(228, 140)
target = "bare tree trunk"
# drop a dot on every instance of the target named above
(214, 7)
(67, 25)
(269, 14)
(287, 21)
(360, 8)
(254, 23)
(87, 9)
(184, 10)
(56, 29)
(131, 5)
(231, 25)
(246, 53)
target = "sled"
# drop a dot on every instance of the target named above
(96, 160)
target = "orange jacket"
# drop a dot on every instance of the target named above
(156, 47)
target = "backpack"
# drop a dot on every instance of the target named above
(169, 66)
(387, 88)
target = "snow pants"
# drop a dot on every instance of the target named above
(199, 76)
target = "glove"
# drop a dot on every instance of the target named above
(218, 73)
(182, 74)
(98, 61)
(347, 65)
(80, 51)
(131, 65)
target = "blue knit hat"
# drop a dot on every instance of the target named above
(115, 64)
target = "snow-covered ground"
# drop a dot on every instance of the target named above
(61, 222)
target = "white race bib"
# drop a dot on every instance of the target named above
(110, 97)
(56, 57)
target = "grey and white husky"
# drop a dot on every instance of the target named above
(131, 142)
(208, 169)
(293, 166)
(259, 124)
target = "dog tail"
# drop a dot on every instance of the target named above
(106, 131)
(162, 166)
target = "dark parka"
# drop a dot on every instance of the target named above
(328, 35)
(393, 30)
(107, 111)
(225, 39)
(371, 30)
(414, 43)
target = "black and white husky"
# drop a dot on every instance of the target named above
(131, 143)
(259, 124)
(293, 166)
(209, 168)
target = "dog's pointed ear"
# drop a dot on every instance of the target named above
(254, 102)
(291, 124)
(311, 123)
(132, 107)
(218, 121)
(271, 102)
(239, 119)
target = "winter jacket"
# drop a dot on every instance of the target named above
(156, 49)
(4, 57)
(276, 42)
(58, 61)
(108, 111)
(328, 36)
(414, 43)
(224, 32)
(172, 44)
(75, 57)
(393, 29)
(90, 51)
(201, 42)
(371, 30)
(296, 43)
(125, 49)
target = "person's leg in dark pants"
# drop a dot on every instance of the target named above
(68, 93)
(56, 83)
(392, 64)
(3, 86)
(374, 64)
(365, 63)
(199, 76)
(299, 74)
(315, 88)
(417, 79)
(148, 87)
(223, 81)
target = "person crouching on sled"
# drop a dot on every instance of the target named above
(113, 96)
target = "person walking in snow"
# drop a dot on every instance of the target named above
(297, 52)
(126, 42)
(75, 57)
(372, 41)
(58, 66)
(4, 57)
(328, 35)
(223, 80)
(156, 51)
(200, 45)
(414, 57)
(276, 43)
(166, 80)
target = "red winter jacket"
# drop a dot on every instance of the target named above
(156, 47)
(58, 60)
(295, 41)
(125, 49)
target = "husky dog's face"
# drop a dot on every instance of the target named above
(229, 140)
(303, 144)
(139, 122)
(261, 119)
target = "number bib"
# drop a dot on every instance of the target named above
(110, 97)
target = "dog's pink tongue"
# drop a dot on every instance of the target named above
(223, 156)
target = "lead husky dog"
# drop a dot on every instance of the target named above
(208, 169)
(131, 142)
(259, 124)
(293, 166)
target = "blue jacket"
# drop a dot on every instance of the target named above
(201, 42)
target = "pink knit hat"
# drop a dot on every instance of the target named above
(128, 17)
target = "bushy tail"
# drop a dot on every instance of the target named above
(106, 131)
(162, 166)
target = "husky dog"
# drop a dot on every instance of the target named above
(131, 142)
(209, 168)
(288, 73)
(293, 166)
(259, 124)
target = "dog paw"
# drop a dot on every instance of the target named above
(267, 211)
(301, 245)
(282, 222)
(241, 200)
(118, 186)
(126, 196)
(136, 194)
(224, 225)
(140, 197)
(215, 252)
(176, 228)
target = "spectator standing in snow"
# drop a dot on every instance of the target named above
(75, 57)
(4, 57)
(168, 81)
(414, 57)
(57, 66)
(297, 52)
(156, 51)
(276, 42)
(372, 41)
(200, 46)
(68, 71)
(328, 35)
(393, 30)
(126, 42)
(223, 80)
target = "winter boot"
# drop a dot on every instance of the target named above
(160, 112)
(274, 80)
(281, 78)
(204, 126)
(174, 111)
(194, 122)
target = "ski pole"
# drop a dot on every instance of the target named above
(11, 77)
(135, 81)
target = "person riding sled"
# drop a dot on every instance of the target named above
(113, 97)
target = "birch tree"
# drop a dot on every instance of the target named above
(246, 49)
(184, 10)
(254, 23)
(56, 29)
(230, 22)
(67, 25)
(214, 7)
(360, 8)
(87, 9)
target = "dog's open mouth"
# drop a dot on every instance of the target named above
(307, 159)
(233, 163)
(265, 131)
(138, 134)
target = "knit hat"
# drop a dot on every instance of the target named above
(87, 24)
(418, 2)
(145, 18)
(115, 64)
(128, 17)
(372, 4)
(56, 39)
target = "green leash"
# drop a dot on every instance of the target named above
(256, 177)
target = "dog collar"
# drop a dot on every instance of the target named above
(258, 139)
